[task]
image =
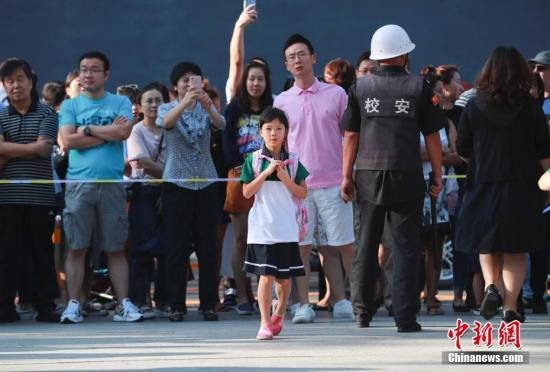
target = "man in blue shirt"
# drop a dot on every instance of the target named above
(93, 126)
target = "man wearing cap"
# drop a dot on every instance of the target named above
(541, 65)
(387, 110)
(539, 262)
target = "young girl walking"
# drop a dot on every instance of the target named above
(277, 180)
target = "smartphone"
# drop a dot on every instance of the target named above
(195, 81)
(247, 3)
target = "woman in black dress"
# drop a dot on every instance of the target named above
(503, 136)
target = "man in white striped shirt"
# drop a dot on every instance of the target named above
(28, 130)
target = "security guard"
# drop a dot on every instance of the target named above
(387, 110)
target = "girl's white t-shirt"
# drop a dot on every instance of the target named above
(272, 218)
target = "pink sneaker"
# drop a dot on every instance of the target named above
(276, 324)
(265, 333)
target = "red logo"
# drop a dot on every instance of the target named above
(457, 332)
(484, 334)
(508, 334)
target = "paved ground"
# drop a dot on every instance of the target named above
(326, 345)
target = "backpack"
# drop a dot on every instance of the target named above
(301, 207)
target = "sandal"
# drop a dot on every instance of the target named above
(461, 308)
(435, 310)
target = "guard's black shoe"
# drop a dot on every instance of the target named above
(176, 316)
(490, 303)
(510, 315)
(209, 315)
(47, 316)
(9, 317)
(409, 328)
(362, 320)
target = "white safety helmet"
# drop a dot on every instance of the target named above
(390, 41)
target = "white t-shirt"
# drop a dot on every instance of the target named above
(272, 218)
(143, 144)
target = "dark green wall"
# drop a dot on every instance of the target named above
(144, 39)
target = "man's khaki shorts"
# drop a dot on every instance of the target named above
(95, 210)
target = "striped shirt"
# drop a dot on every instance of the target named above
(39, 121)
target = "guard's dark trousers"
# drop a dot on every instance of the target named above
(403, 220)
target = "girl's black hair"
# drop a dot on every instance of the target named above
(242, 96)
(272, 113)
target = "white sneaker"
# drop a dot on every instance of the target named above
(147, 312)
(163, 311)
(72, 313)
(304, 314)
(293, 308)
(25, 314)
(343, 309)
(127, 312)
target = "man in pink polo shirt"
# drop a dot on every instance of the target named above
(314, 110)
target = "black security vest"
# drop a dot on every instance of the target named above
(390, 105)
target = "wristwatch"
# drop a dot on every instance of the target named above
(87, 130)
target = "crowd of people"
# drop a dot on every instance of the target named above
(363, 165)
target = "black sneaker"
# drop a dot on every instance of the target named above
(9, 317)
(362, 320)
(490, 303)
(47, 316)
(176, 316)
(209, 315)
(409, 328)
(539, 307)
(510, 315)
(230, 297)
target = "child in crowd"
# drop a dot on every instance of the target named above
(277, 181)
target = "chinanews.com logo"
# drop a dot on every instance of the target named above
(501, 350)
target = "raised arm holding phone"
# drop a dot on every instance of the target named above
(236, 48)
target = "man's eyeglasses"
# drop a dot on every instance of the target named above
(93, 71)
(295, 56)
(540, 68)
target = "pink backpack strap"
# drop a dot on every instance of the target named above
(256, 162)
(301, 207)
(292, 164)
